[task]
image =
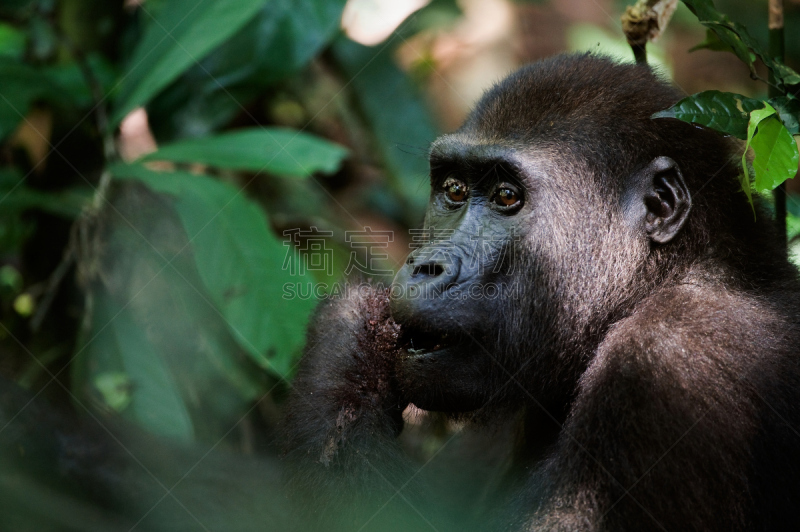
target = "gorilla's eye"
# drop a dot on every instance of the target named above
(455, 190)
(506, 196)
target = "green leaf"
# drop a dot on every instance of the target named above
(775, 154)
(240, 262)
(280, 40)
(72, 81)
(12, 41)
(726, 112)
(149, 268)
(182, 33)
(62, 86)
(66, 204)
(119, 345)
(397, 116)
(755, 117)
(713, 42)
(21, 85)
(788, 108)
(734, 40)
(741, 43)
(15, 197)
(725, 29)
(278, 151)
(786, 73)
(115, 387)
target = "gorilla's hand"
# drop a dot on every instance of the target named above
(345, 394)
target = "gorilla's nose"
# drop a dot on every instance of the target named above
(429, 269)
(424, 278)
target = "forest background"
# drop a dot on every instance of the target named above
(181, 180)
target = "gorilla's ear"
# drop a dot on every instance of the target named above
(657, 202)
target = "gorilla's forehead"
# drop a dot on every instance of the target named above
(470, 147)
(531, 161)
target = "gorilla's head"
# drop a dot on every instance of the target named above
(556, 206)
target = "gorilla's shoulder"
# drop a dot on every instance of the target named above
(698, 331)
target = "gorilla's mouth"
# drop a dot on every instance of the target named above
(419, 341)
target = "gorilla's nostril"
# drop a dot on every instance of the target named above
(430, 270)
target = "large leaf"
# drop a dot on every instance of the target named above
(282, 38)
(119, 347)
(395, 112)
(726, 112)
(147, 267)
(12, 41)
(178, 35)
(788, 108)
(713, 42)
(740, 42)
(755, 117)
(275, 150)
(785, 73)
(775, 153)
(240, 262)
(63, 87)
(71, 79)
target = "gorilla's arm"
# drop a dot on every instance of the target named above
(344, 416)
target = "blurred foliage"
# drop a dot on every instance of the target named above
(152, 285)
(768, 132)
(369, 71)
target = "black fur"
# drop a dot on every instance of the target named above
(656, 378)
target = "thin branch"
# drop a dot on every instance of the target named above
(96, 90)
(644, 22)
(90, 212)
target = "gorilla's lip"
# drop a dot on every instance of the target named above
(419, 342)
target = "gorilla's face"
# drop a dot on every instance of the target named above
(463, 280)
(526, 256)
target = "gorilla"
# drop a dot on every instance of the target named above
(594, 303)
(645, 341)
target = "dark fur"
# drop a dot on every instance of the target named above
(659, 382)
